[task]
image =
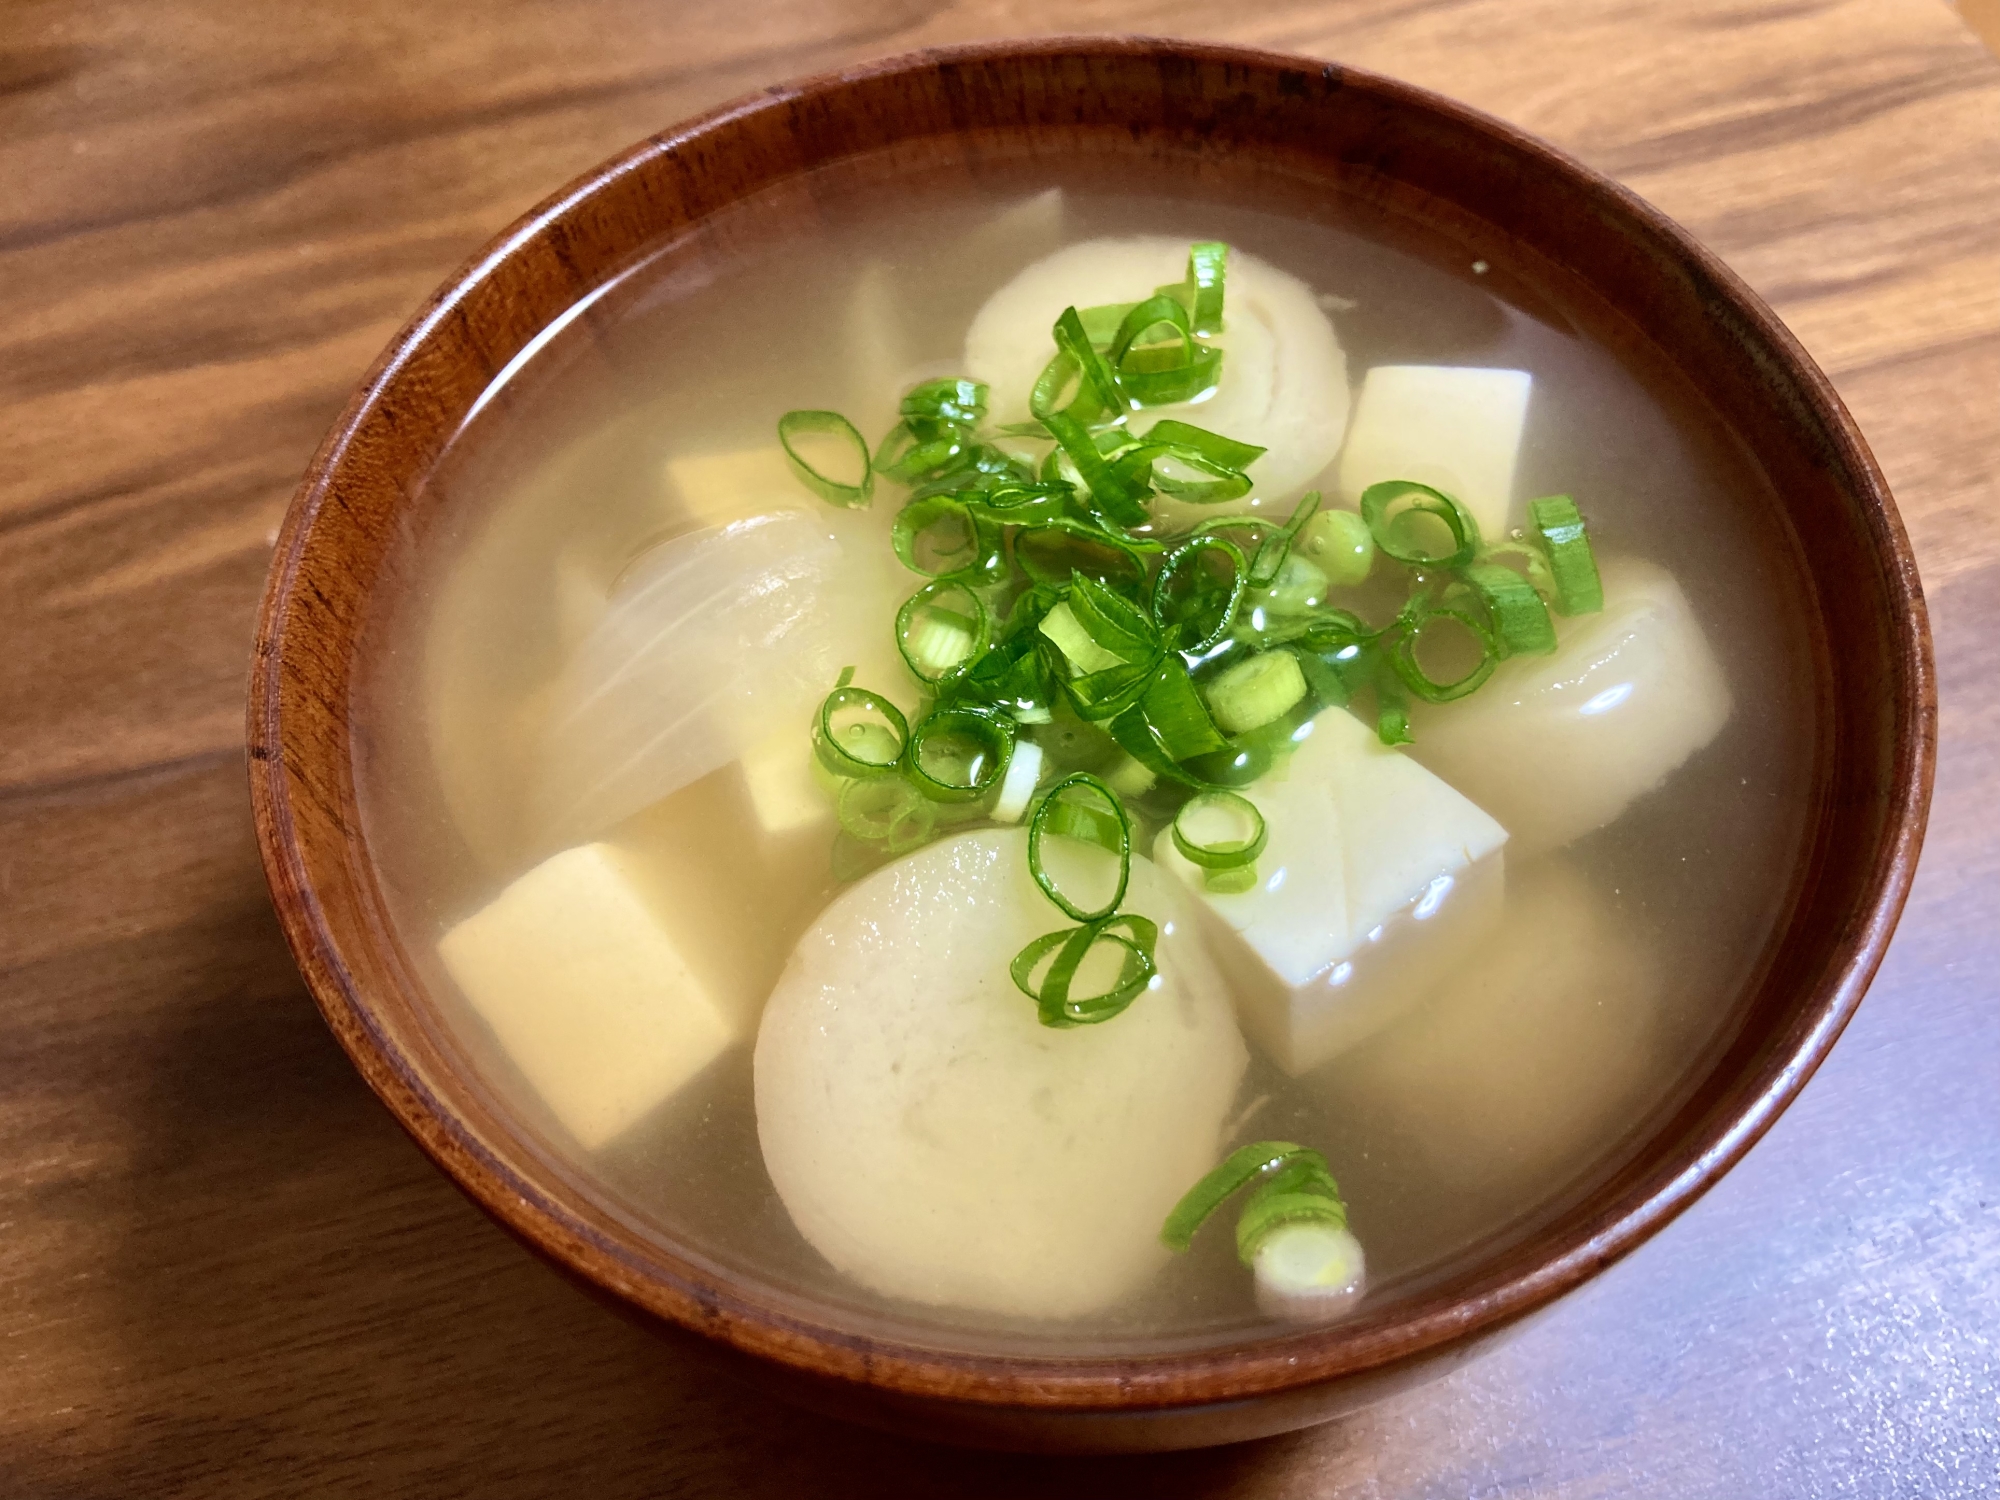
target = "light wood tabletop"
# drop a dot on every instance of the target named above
(224, 1271)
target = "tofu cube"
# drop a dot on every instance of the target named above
(591, 991)
(785, 795)
(1454, 429)
(1556, 746)
(1377, 878)
(716, 487)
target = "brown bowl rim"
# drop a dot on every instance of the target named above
(661, 1284)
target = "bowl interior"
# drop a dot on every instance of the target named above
(1316, 144)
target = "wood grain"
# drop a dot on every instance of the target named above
(226, 1272)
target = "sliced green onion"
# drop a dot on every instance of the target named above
(1078, 646)
(1533, 561)
(1579, 591)
(1017, 787)
(921, 552)
(984, 742)
(1174, 436)
(1102, 323)
(1054, 1004)
(1135, 736)
(1256, 692)
(1098, 696)
(1115, 494)
(888, 811)
(1342, 546)
(954, 399)
(1150, 377)
(1403, 654)
(1155, 312)
(937, 634)
(1180, 721)
(1220, 604)
(1521, 622)
(1394, 510)
(1098, 375)
(1051, 817)
(1113, 621)
(1302, 1191)
(1208, 264)
(1392, 708)
(1275, 548)
(801, 424)
(1308, 1269)
(908, 458)
(854, 748)
(1292, 1186)
(1154, 374)
(1237, 1170)
(1223, 459)
(1230, 882)
(1230, 851)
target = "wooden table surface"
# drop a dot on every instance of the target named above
(224, 1272)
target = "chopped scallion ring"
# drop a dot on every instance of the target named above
(942, 630)
(1394, 510)
(1579, 591)
(1274, 549)
(803, 424)
(1054, 1004)
(1101, 379)
(1230, 882)
(1017, 787)
(976, 742)
(925, 545)
(1208, 263)
(1174, 712)
(1403, 654)
(1256, 692)
(1060, 815)
(1234, 849)
(953, 399)
(855, 747)
(1521, 622)
(1237, 1170)
(1155, 312)
(888, 811)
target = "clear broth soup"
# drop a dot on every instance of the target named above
(1475, 1113)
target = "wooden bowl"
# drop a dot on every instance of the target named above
(1210, 113)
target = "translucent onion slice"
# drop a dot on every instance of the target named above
(712, 641)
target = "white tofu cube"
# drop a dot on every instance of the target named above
(1556, 746)
(784, 794)
(1376, 879)
(718, 487)
(590, 992)
(1455, 429)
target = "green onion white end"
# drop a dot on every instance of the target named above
(1017, 788)
(1309, 1272)
(1253, 693)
